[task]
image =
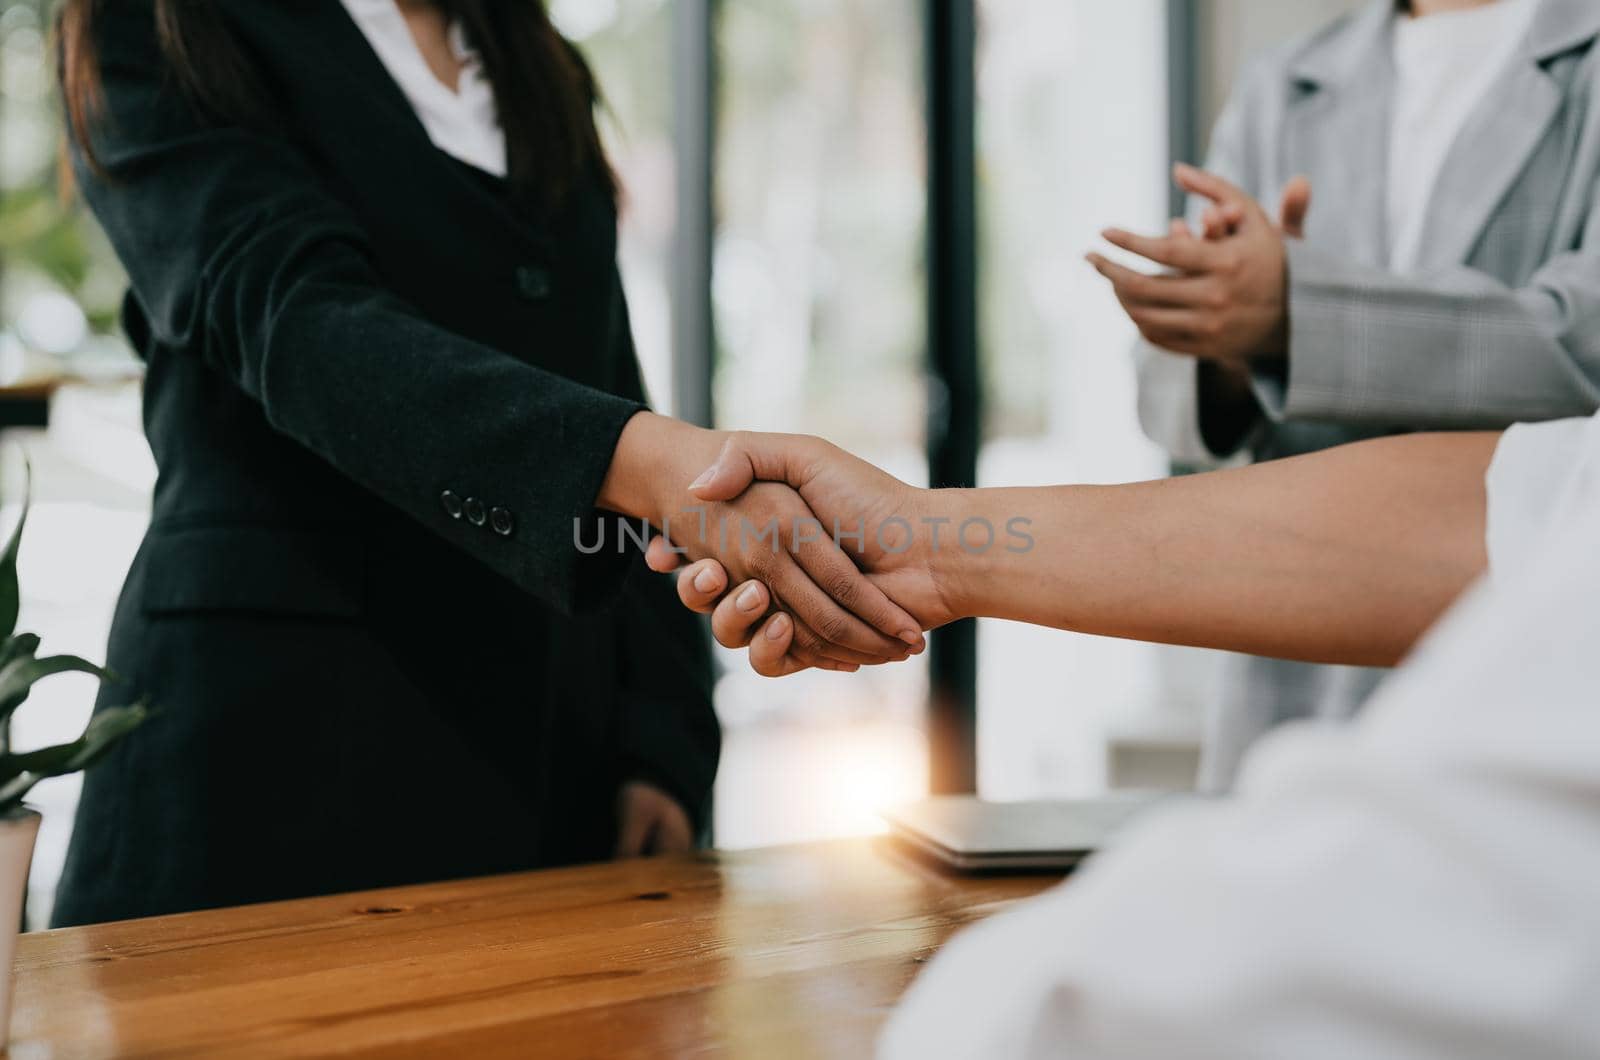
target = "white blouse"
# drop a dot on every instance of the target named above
(1444, 66)
(462, 123)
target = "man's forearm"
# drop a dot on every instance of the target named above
(1347, 555)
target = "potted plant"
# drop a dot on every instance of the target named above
(20, 668)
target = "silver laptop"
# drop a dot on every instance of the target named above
(969, 834)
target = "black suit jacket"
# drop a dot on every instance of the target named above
(379, 395)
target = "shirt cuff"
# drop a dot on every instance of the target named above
(1169, 408)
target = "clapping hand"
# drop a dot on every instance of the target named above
(1225, 296)
(650, 822)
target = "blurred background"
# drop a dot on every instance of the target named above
(780, 158)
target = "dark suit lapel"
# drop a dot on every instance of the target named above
(1501, 135)
(1337, 127)
(353, 68)
(356, 77)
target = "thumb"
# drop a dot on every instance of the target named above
(1296, 204)
(749, 457)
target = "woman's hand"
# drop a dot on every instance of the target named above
(1226, 298)
(766, 533)
(885, 526)
(650, 822)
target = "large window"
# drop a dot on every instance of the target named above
(818, 296)
(1072, 137)
(629, 44)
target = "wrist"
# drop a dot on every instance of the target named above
(955, 572)
(656, 459)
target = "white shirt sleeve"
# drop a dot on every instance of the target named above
(1169, 404)
(1420, 884)
(1541, 475)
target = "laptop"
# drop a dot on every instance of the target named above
(966, 833)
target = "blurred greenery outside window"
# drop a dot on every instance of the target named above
(60, 284)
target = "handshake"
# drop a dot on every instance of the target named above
(804, 553)
(814, 558)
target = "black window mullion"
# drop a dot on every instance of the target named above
(955, 404)
(1183, 90)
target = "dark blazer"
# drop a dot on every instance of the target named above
(379, 395)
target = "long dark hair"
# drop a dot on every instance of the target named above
(544, 91)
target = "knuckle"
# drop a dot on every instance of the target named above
(804, 640)
(842, 586)
(833, 627)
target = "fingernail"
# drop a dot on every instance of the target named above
(705, 478)
(778, 627)
(706, 581)
(749, 600)
(911, 637)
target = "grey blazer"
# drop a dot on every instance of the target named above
(1500, 323)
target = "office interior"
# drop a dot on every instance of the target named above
(777, 160)
(859, 219)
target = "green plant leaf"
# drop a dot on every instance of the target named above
(13, 648)
(10, 592)
(20, 772)
(19, 675)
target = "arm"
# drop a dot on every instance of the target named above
(1342, 556)
(1345, 555)
(1201, 413)
(1447, 349)
(238, 253)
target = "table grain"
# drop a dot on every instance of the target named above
(787, 952)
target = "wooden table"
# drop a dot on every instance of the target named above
(794, 951)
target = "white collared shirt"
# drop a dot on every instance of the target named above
(1420, 884)
(1444, 64)
(463, 123)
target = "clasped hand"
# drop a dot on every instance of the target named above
(884, 526)
(770, 532)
